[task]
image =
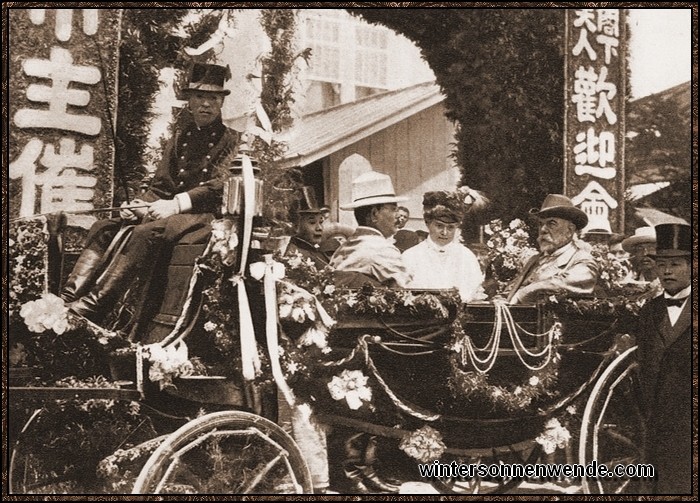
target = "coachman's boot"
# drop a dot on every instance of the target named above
(80, 278)
(109, 286)
(359, 466)
(371, 477)
(353, 466)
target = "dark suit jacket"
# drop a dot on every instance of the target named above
(405, 239)
(308, 250)
(666, 364)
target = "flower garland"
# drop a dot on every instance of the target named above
(475, 386)
(329, 378)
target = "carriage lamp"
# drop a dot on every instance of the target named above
(233, 188)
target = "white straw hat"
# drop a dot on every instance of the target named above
(641, 235)
(372, 188)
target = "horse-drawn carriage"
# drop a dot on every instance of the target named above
(483, 383)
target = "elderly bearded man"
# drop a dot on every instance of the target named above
(562, 266)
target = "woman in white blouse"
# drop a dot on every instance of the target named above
(441, 261)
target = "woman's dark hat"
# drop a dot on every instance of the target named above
(443, 206)
(673, 240)
(452, 206)
(208, 78)
(560, 206)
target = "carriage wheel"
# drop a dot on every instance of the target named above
(523, 453)
(229, 452)
(26, 474)
(613, 429)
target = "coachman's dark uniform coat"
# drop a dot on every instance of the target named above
(192, 162)
(667, 362)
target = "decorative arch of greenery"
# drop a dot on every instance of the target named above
(149, 44)
(502, 73)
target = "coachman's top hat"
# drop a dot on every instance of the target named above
(372, 188)
(560, 206)
(673, 240)
(208, 78)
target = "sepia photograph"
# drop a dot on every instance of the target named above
(395, 249)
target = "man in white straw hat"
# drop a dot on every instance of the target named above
(641, 246)
(368, 256)
(562, 266)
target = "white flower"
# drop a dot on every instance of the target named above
(571, 409)
(554, 436)
(310, 313)
(329, 289)
(424, 444)
(298, 314)
(314, 336)
(167, 363)
(295, 260)
(516, 223)
(285, 310)
(210, 326)
(534, 381)
(47, 313)
(257, 270)
(350, 385)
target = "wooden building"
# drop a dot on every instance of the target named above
(402, 133)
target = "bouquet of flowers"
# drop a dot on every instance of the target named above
(509, 249)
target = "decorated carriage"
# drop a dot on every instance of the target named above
(191, 405)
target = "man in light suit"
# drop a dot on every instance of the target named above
(562, 266)
(666, 363)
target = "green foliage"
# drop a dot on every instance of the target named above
(278, 70)
(501, 71)
(149, 44)
(61, 449)
(660, 149)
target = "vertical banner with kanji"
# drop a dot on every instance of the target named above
(62, 110)
(594, 164)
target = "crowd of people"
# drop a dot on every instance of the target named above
(186, 192)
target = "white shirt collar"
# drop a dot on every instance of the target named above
(435, 246)
(680, 295)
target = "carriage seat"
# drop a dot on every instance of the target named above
(172, 289)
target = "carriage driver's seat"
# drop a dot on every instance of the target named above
(165, 292)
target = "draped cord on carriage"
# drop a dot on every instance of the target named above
(503, 315)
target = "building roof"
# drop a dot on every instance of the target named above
(653, 217)
(319, 134)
